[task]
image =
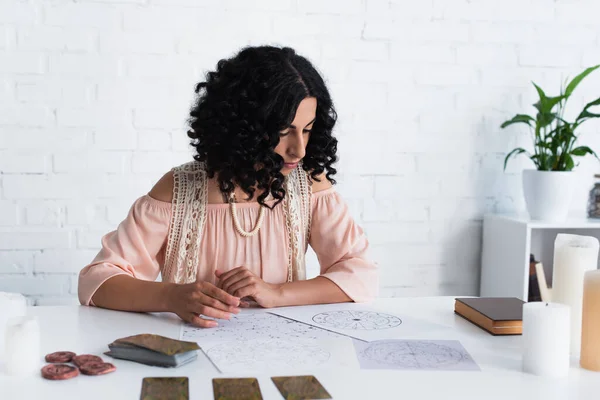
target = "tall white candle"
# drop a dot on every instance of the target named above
(573, 256)
(590, 327)
(11, 305)
(546, 334)
(22, 346)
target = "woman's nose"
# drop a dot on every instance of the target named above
(298, 146)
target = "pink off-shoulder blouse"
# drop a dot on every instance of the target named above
(137, 246)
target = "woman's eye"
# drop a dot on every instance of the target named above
(307, 131)
(283, 133)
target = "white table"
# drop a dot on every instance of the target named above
(89, 330)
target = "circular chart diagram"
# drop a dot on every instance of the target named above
(357, 320)
(414, 354)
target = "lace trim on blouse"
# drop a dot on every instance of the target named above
(189, 216)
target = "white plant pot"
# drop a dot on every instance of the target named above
(548, 194)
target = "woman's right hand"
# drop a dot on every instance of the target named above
(191, 300)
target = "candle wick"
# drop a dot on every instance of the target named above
(546, 304)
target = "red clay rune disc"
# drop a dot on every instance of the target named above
(60, 357)
(97, 368)
(85, 358)
(59, 372)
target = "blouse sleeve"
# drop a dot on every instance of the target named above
(135, 248)
(342, 247)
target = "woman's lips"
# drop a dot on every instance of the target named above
(290, 165)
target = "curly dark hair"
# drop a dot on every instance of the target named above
(240, 111)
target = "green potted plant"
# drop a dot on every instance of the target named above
(548, 187)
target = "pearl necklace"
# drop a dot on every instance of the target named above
(236, 222)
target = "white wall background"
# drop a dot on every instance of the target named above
(94, 97)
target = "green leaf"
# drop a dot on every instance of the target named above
(552, 161)
(585, 113)
(536, 160)
(541, 93)
(514, 152)
(545, 104)
(592, 103)
(563, 85)
(540, 103)
(555, 143)
(545, 145)
(518, 119)
(577, 80)
(562, 133)
(569, 164)
(552, 101)
(582, 151)
(545, 119)
(548, 104)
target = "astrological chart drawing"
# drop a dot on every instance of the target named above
(250, 325)
(415, 355)
(363, 322)
(356, 320)
(266, 354)
(280, 355)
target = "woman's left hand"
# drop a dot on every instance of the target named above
(240, 282)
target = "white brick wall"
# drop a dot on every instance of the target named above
(94, 97)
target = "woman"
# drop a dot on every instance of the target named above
(234, 224)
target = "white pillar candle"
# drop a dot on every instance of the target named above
(22, 346)
(573, 256)
(546, 332)
(11, 305)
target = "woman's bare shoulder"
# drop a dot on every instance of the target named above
(322, 184)
(163, 189)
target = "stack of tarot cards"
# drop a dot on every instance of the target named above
(154, 350)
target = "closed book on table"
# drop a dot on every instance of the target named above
(496, 315)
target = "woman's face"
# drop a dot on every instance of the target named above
(293, 139)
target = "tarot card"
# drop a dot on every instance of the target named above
(236, 389)
(167, 388)
(300, 387)
(161, 344)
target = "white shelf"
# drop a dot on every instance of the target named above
(508, 240)
(570, 223)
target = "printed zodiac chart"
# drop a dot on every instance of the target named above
(279, 355)
(414, 354)
(254, 324)
(312, 337)
(360, 320)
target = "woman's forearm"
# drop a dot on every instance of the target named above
(125, 293)
(319, 290)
